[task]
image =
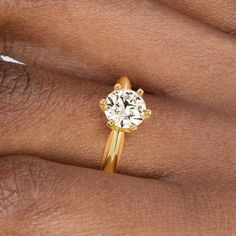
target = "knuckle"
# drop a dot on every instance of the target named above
(14, 84)
(23, 91)
(24, 183)
(9, 192)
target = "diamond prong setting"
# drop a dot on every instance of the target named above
(111, 124)
(147, 114)
(124, 108)
(132, 128)
(102, 104)
(117, 86)
(140, 92)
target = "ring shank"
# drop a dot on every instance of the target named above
(113, 150)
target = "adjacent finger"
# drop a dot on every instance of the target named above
(49, 115)
(44, 198)
(158, 47)
(218, 14)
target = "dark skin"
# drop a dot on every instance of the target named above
(177, 172)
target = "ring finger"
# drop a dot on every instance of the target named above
(47, 115)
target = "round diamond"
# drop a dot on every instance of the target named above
(125, 107)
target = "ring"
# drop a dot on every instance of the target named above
(125, 109)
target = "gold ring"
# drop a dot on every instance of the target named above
(125, 109)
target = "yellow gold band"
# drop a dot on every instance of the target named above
(113, 150)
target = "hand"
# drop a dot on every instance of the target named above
(74, 52)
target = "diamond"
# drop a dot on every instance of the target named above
(125, 107)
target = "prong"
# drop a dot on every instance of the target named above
(102, 104)
(147, 114)
(132, 128)
(140, 92)
(111, 124)
(117, 86)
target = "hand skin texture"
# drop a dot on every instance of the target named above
(177, 172)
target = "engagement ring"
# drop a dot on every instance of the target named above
(125, 109)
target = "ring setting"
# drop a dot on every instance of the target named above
(125, 110)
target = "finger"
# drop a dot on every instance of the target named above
(218, 14)
(48, 115)
(41, 197)
(162, 49)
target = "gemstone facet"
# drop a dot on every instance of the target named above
(125, 107)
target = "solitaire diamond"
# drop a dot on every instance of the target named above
(125, 107)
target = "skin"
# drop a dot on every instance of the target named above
(177, 172)
(220, 15)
